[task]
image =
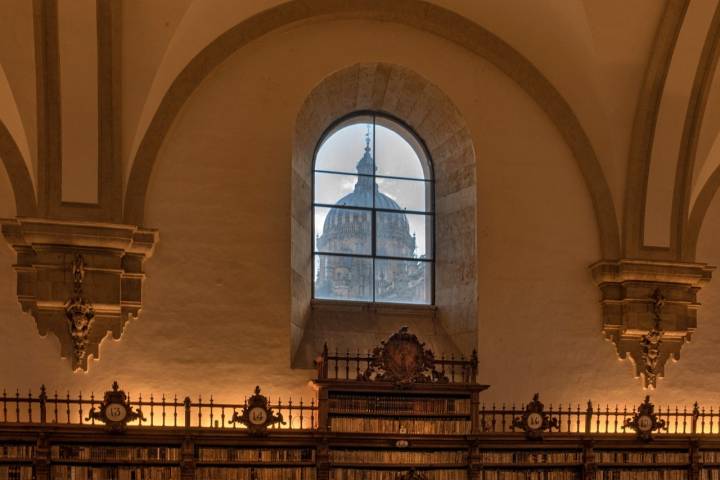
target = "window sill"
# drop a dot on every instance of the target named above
(401, 309)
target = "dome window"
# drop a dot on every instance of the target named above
(373, 213)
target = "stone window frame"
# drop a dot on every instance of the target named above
(406, 132)
(400, 93)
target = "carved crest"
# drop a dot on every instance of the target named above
(79, 312)
(412, 474)
(403, 360)
(535, 421)
(645, 421)
(257, 414)
(115, 410)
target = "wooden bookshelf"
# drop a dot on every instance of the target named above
(16, 461)
(373, 420)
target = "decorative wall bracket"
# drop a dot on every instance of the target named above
(649, 310)
(62, 264)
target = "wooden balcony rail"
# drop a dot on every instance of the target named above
(17, 408)
(597, 419)
(157, 411)
(351, 366)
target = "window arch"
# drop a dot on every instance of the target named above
(373, 213)
(451, 321)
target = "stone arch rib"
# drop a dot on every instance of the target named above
(25, 204)
(413, 13)
(643, 132)
(687, 225)
(691, 133)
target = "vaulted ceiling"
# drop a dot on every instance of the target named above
(639, 78)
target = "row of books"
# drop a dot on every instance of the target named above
(409, 426)
(16, 472)
(710, 474)
(268, 473)
(614, 456)
(398, 456)
(387, 404)
(104, 453)
(639, 474)
(256, 454)
(530, 456)
(362, 474)
(73, 472)
(17, 451)
(531, 474)
(711, 456)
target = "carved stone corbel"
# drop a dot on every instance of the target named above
(649, 310)
(79, 312)
(62, 265)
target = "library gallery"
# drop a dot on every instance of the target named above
(359, 239)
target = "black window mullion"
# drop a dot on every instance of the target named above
(382, 210)
(430, 253)
(374, 214)
(356, 174)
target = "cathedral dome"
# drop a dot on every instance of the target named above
(367, 224)
(340, 216)
(349, 226)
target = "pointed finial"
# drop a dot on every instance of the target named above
(367, 139)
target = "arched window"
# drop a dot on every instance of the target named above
(373, 213)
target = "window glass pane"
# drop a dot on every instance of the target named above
(403, 194)
(337, 189)
(343, 278)
(403, 281)
(352, 181)
(343, 149)
(343, 230)
(394, 156)
(403, 235)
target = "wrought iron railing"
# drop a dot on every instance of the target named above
(597, 419)
(55, 408)
(157, 412)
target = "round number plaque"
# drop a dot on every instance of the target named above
(116, 412)
(534, 421)
(644, 423)
(257, 416)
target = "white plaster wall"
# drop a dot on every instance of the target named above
(697, 373)
(217, 297)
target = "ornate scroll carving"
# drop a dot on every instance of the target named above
(115, 411)
(650, 310)
(412, 474)
(79, 312)
(257, 414)
(535, 421)
(645, 421)
(109, 271)
(650, 343)
(403, 360)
